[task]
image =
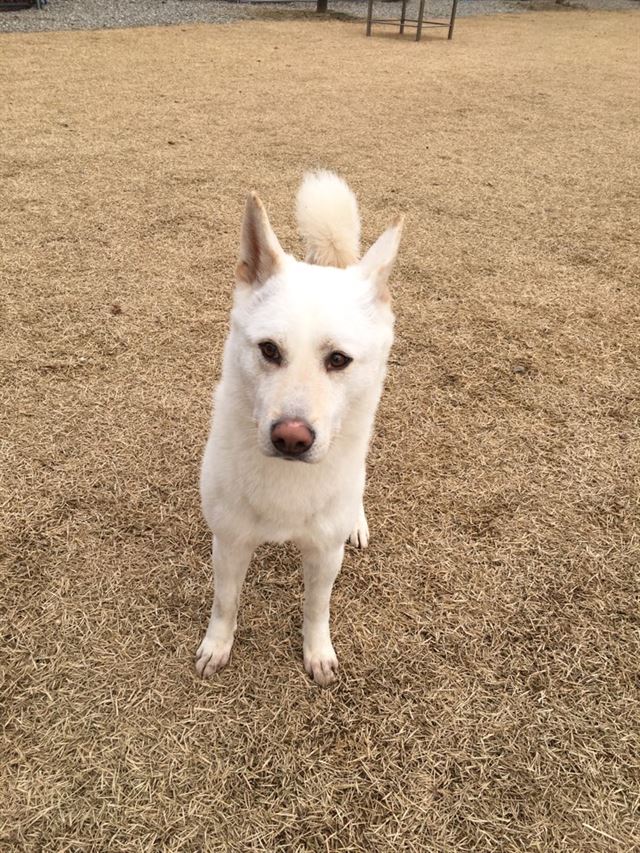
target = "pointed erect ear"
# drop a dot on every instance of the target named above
(261, 254)
(378, 261)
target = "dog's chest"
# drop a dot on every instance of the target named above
(286, 507)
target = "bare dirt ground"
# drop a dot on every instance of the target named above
(488, 698)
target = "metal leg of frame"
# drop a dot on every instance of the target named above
(369, 16)
(420, 17)
(403, 16)
(453, 18)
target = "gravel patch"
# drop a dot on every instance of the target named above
(103, 14)
(100, 14)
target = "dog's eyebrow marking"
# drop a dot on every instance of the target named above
(347, 347)
(329, 345)
(259, 338)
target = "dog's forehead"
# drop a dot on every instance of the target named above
(309, 305)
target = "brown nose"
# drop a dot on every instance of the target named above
(292, 437)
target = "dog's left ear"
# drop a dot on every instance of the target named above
(261, 255)
(378, 262)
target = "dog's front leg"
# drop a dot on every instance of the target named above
(321, 567)
(360, 533)
(230, 563)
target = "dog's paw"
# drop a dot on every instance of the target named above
(360, 533)
(212, 655)
(321, 665)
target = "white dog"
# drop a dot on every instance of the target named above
(302, 374)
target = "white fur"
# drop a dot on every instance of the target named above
(249, 495)
(328, 220)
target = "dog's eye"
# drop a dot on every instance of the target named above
(338, 361)
(270, 352)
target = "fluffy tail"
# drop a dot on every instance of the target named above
(328, 220)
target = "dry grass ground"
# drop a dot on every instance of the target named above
(488, 698)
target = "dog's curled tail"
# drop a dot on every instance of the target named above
(328, 220)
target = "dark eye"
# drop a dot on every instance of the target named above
(270, 352)
(338, 361)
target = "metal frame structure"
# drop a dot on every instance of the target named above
(403, 21)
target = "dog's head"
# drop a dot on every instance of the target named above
(311, 341)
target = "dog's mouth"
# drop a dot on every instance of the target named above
(289, 457)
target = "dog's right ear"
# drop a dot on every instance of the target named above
(261, 255)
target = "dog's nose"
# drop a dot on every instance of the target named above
(292, 437)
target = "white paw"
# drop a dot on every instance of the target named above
(321, 665)
(360, 533)
(212, 655)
